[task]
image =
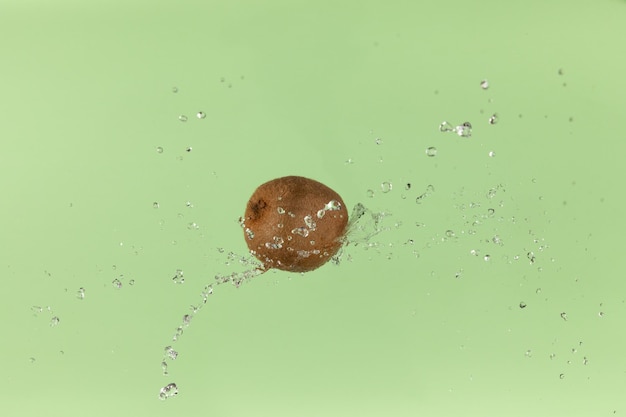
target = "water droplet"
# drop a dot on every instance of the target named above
(178, 277)
(54, 321)
(174, 89)
(484, 84)
(564, 316)
(31, 359)
(178, 334)
(159, 149)
(164, 367)
(522, 304)
(386, 187)
(487, 258)
(189, 149)
(431, 151)
(168, 391)
(334, 205)
(117, 283)
(446, 127)
(131, 282)
(155, 205)
(182, 118)
(429, 190)
(208, 290)
(492, 154)
(601, 314)
(378, 141)
(80, 294)
(308, 220)
(201, 115)
(561, 376)
(370, 193)
(277, 241)
(528, 353)
(464, 130)
(171, 353)
(493, 119)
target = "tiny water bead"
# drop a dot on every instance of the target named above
(294, 224)
(446, 127)
(178, 277)
(386, 186)
(464, 130)
(171, 353)
(168, 391)
(429, 190)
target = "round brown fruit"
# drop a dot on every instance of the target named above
(294, 224)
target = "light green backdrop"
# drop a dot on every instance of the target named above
(425, 318)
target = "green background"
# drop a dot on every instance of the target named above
(423, 318)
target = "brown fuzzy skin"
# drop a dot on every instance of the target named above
(290, 225)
